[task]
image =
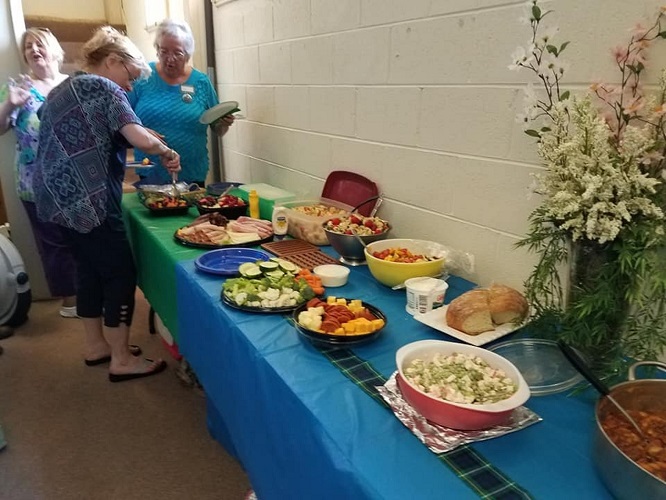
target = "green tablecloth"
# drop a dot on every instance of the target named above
(156, 253)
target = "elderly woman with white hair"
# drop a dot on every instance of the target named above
(171, 101)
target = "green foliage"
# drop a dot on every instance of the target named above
(615, 303)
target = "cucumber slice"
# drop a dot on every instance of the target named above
(268, 266)
(288, 267)
(249, 270)
(274, 275)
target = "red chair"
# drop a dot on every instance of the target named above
(352, 189)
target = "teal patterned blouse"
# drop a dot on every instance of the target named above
(25, 123)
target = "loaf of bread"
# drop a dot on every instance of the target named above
(482, 309)
(470, 313)
(506, 304)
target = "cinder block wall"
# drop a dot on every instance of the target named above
(416, 95)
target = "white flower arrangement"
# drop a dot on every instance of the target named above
(603, 200)
(598, 178)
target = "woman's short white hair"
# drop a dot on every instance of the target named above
(176, 29)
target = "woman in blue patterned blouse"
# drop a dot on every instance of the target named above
(171, 101)
(87, 124)
(19, 104)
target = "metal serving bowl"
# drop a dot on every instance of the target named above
(348, 245)
(623, 476)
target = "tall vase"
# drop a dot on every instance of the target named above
(597, 307)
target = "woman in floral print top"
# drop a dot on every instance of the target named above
(19, 105)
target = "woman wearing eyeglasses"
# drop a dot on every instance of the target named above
(19, 102)
(171, 101)
(87, 124)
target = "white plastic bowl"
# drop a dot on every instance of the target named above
(458, 415)
(332, 275)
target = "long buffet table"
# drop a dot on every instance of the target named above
(303, 429)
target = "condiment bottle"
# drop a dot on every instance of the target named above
(254, 204)
(280, 222)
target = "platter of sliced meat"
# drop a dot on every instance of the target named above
(213, 230)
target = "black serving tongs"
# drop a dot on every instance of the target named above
(580, 365)
(378, 199)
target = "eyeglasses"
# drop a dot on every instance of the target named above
(132, 79)
(165, 54)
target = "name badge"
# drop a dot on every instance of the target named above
(187, 92)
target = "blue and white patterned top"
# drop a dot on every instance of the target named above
(25, 123)
(174, 111)
(80, 161)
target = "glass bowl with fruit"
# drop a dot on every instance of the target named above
(349, 235)
(228, 205)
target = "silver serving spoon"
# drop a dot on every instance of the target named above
(584, 370)
(174, 177)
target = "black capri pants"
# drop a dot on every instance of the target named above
(106, 275)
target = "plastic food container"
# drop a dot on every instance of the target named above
(332, 275)
(310, 227)
(269, 196)
(424, 294)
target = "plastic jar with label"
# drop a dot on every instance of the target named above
(280, 222)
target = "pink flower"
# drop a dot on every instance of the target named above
(620, 54)
(638, 31)
(634, 105)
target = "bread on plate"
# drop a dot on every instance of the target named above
(470, 313)
(482, 309)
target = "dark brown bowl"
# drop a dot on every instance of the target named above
(228, 212)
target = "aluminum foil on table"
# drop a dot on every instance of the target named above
(440, 439)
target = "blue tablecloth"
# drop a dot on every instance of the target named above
(302, 429)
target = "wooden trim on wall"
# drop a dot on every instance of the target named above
(68, 30)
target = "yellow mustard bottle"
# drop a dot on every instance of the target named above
(254, 204)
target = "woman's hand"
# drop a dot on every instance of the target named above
(222, 125)
(19, 92)
(170, 160)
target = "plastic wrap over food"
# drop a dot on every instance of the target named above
(182, 187)
(457, 262)
(440, 439)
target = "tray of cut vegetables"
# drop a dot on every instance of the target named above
(273, 286)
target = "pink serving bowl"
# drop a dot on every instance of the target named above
(458, 415)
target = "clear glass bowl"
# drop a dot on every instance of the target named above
(542, 364)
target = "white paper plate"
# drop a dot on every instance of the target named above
(437, 319)
(138, 164)
(216, 112)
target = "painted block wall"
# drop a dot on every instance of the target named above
(414, 94)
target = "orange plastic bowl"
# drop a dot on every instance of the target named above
(458, 415)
